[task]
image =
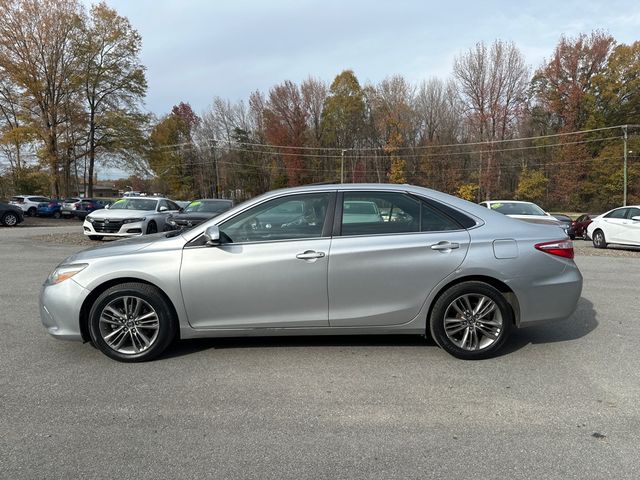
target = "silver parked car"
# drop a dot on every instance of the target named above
(292, 262)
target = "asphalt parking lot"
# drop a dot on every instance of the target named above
(561, 402)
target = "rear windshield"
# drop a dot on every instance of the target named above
(507, 208)
(17, 199)
(207, 206)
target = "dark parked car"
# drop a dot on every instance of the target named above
(197, 212)
(10, 215)
(51, 208)
(581, 224)
(87, 205)
(567, 223)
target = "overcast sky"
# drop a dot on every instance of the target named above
(197, 49)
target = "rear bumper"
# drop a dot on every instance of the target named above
(548, 299)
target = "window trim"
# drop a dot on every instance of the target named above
(197, 242)
(337, 222)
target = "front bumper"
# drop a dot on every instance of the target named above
(114, 229)
(60, 306)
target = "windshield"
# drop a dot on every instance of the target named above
(517, 208)
(207, 206)
(134, 204)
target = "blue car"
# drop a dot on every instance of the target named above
(50, 209)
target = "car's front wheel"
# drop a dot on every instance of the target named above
(598, 239)
(471, 320)
(132, 322)
(152, 228)
(9, 219)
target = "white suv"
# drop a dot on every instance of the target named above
(28, 203)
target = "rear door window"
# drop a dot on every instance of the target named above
(619, 213)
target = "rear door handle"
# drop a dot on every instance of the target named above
(310, 255)
(445, 246)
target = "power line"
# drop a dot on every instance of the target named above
(355, 153)
(451, 145)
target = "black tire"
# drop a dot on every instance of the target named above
(163, 333)
(152, 228)
(57, 214)
(10, 219)
(95, 237)
(598, 239)
(503, 313)
(32, 212)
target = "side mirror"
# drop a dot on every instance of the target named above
(163, 209)
(212, 235)
(107, 206)
(636, 218)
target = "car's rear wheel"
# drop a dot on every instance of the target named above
(57, 214)
(152, 228)
(95, 237)
(132, 322)
(32, 212)
(471, 320)
(9, 219)
(598, 239)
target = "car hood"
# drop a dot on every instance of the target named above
(118, 214)
(126, 246)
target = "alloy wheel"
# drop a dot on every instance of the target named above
(10, 220)
(473, 322)
(129, 325)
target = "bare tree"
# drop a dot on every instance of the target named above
(492, 83)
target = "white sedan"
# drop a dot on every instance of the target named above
(620, 225)
(129, 217)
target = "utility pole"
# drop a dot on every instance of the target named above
(624, 194)
(216, 187)
(342, 166)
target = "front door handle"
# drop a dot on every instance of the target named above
(445, 245)
(310, 255)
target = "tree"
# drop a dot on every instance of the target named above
(114, 85)
(38, 55)
(532, 186)
(615, 90)
(492, 83)
(561, 89)
(286, 125)
(171, 152)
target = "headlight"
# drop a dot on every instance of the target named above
(89, 219)
(134, 220)
(64, 272)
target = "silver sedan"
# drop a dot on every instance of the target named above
(300, 262)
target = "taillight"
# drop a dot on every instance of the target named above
(561, 248)
(76, 205)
